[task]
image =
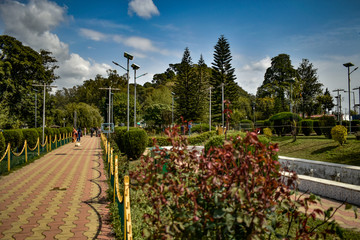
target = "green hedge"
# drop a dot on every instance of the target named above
(194, 140)
(246, 125)
(118, 136)
(200, 128)
(307, 126)
(326, 124)
(2, 144)
(160, 141)
(14, 137)
(316, 127)
(31, 136)
(282, 122)
(135, 141)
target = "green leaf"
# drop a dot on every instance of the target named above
(218, 213)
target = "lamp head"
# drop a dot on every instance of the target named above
(128, 56)
(134, 66)
(349, 64)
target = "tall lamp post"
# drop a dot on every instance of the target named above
(172, 110)
(128, 57)
(135, 67)
(358, 105)
(35, 108)
(348, 65)
(43, 127)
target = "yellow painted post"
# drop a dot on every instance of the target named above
(38, 143)
(8, 149)
(115, 175)
(49, 143)
(25, 146)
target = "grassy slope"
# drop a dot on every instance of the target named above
(320, 148)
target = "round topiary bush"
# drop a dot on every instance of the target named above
(215, 141)
(135, 141)
(326, 124)
(268, 133)
(2, 144)
(246, 125)
(14, 137)
(339, 134)
(31, 136)
(306, 126)
(119, 133)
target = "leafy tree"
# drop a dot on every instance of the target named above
(222, 73)
(158, 114)
(20, 67)
(276, 83)
(326, 101)
(265, 107)
(310, 87)
(86, 115)
(163, 78)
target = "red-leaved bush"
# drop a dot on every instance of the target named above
(235, 191)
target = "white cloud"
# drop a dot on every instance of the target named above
(261, 65)
(93, 35)
(32, 24)
(143, 8)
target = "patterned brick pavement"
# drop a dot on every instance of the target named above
(60, 196)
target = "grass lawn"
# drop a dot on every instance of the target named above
(320, 148)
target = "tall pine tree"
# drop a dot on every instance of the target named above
(222, 73)
(187, 88)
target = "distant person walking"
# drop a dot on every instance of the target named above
(79, 135)
(189, 127)
(92, 132)
(74, 136)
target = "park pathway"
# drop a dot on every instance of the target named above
(59, 196)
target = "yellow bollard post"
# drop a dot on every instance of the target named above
(38, 144)
(25, 146)
(8, 149)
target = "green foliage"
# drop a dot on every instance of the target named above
(31, 136)
(200, 128)
(235, 191)
(326, 124)
(268, 133)
(158, 114)
(307, 126)
(201, 138)
(316, 127)
(283, 122)
(246, 125)
(215, 141)
(159, 141)
(119, 137)
(14, 137)
(339, 134)
(136, 141)
(86, 115)
(2, 144)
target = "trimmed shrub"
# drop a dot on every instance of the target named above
(193, 140)
(326, 124)
(215, 141)
(307, 126)
(14, 137)
(2, 144)
(135, 141)
(246, 125)
(119, 137)
(283, 122)
(160, 141)
(200, 128)
(31, 136)
(260, 124)
(339, 134)
(316, 127)
(268, 133)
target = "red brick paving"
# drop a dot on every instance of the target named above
(51, 198)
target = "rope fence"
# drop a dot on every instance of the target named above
(11, 159)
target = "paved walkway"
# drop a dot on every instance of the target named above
(60, 196)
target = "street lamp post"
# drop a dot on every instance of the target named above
(43, 127)
(135, 67)
(35, 108)
(338, 97)
(358, 88)
(128, 57)
(348, 65)
(172, 109)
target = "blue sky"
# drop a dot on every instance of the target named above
(86, 36)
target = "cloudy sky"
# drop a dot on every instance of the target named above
(86, 36)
